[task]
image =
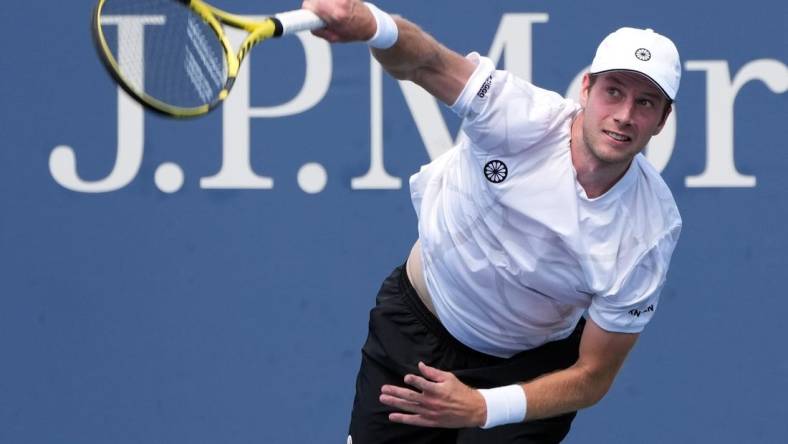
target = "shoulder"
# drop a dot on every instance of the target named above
(492, 91)
(504, 113)
(653, 190)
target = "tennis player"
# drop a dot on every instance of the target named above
(545, 210)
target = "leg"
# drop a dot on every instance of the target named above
(397, 340)
(369, 421)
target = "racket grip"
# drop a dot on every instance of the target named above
(299, 20)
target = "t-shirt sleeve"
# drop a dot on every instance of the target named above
(633, 306)
(505, 114)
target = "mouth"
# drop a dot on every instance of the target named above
(618, 137)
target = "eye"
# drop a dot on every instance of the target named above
(613, 92)
(646, 102)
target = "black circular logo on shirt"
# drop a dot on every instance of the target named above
(643, 54)
(495, 171)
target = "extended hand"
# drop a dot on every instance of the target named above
(441, 401)
(346, 20)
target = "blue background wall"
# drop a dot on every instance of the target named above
(236, 316)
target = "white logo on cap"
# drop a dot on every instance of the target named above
(643, 54)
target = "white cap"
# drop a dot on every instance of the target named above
(642, 51)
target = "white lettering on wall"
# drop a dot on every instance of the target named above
(720, 97)
(236, 170)
(512, 41)
(376, 177)
(131, 118)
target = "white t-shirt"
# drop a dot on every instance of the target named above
(513, 250)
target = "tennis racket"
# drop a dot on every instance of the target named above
(173, 57)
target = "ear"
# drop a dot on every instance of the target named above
(664, 119)
(584, 90)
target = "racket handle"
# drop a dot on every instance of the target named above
(299, 20)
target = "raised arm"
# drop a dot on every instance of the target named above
(416, 56)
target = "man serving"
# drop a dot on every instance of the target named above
(543, 211)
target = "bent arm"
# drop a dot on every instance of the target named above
(585, 383)
(418, 57)
(439, 399)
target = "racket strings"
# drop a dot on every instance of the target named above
(205, 71)
(165, 51)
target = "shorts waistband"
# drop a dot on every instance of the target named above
(429, 320)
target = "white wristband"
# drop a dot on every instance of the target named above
(505, 405)
(386, 33)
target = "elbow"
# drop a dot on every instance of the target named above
(597, 384)
(411, 73)
(426, 71)
(396, 67)
(400, 74)
(595, 396)
(412, 70)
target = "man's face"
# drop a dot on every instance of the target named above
(622, 111)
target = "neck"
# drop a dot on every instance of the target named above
(594, 175)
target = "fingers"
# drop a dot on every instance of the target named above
(431, 381)
(333, 13)
(416, 420)
(433, 374)
(346, 20)
(314, 6)
(403, 404)
(406, 400)
(437, 399)
(326, 34)
(402, 393)
(409, 402)
(422, 384)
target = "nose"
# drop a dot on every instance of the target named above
(624, 112)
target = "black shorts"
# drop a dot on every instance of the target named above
(402, 332)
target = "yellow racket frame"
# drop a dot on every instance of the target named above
(215, 17)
